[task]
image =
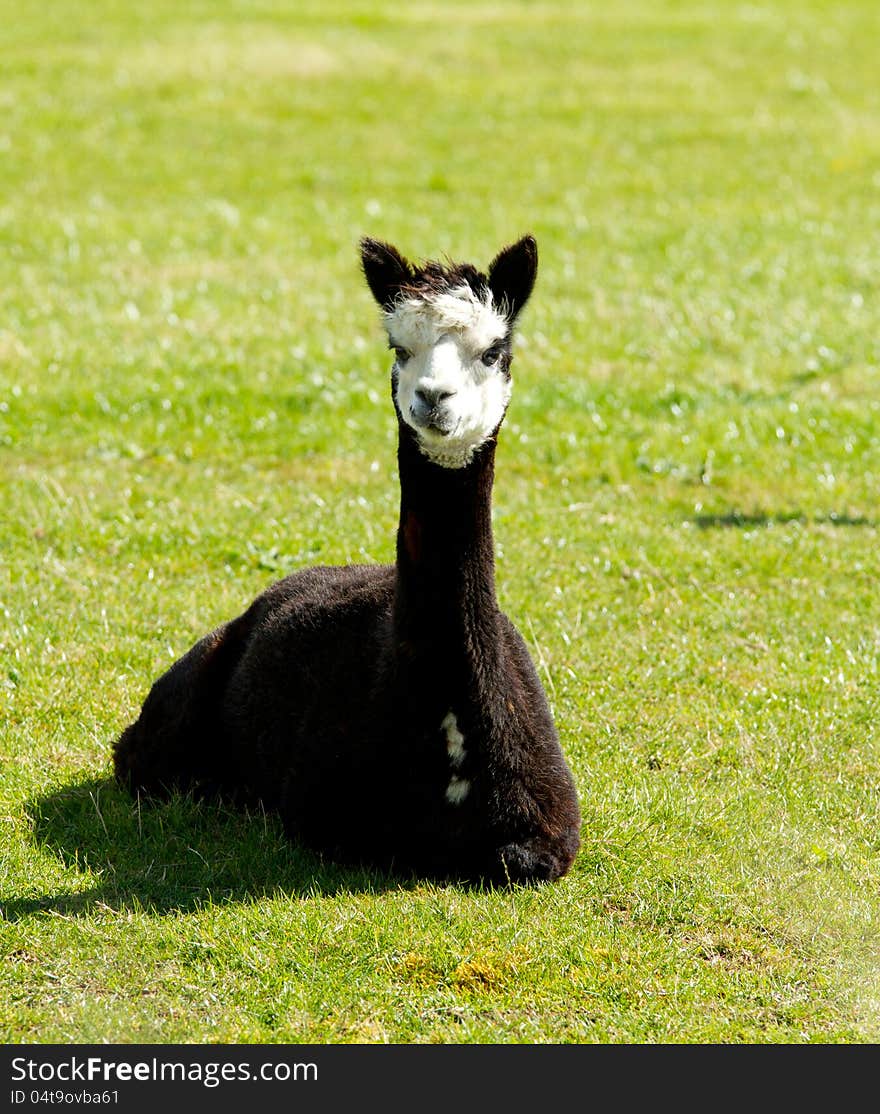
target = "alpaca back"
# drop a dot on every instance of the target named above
(305, 684)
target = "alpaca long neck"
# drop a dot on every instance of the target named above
(445, 593)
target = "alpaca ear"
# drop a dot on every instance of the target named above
(512, 275)
(385, 270)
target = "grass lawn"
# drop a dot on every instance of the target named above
(194, 401)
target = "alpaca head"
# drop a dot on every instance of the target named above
(450, 327)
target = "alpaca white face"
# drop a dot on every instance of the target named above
(451, 378)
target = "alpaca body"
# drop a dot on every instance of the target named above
(390, 714)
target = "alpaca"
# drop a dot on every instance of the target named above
(391, 714)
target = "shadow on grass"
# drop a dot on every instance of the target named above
(174, 856)
(738, 520)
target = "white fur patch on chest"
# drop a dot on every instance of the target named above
(458, 787)
(454, 740)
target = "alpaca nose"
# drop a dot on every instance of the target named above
(429, 397)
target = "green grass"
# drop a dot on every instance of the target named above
(194, 401)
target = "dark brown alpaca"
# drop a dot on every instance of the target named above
(391, 714)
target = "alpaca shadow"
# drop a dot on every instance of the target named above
(738, 520)
(175, 855)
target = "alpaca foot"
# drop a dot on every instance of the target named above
(530, 862)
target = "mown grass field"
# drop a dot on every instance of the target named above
(194, 401)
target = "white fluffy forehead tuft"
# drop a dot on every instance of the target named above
(417, 322)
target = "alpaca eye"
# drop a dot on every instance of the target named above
(490, 356)
(402, 354)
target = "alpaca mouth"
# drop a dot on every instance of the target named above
(436, 423)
